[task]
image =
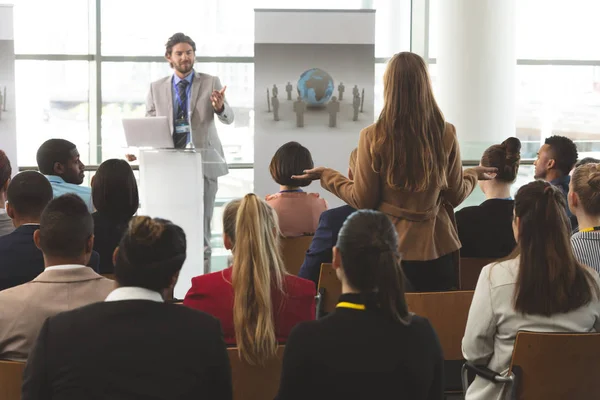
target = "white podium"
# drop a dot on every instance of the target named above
(172, 187)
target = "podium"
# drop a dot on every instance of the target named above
(172, 188)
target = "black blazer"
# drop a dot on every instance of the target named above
(485, 231)
(21, 261)
(108, 232)
(353, 354)
(131, 349)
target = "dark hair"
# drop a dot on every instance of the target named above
(5, 169)
(150, 253)
(587, 160)
(65, 227)
(53, 151)
(114, 190)
(291, 159)
(29, 193)
(175, 40)
(564, 153)
(550, 279)
(368, 244)
(586, 183)
(505, 157)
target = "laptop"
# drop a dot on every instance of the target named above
(149, 132)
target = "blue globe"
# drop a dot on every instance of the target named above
(315, 86)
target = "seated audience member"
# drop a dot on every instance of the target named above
(584, 201)
(66, 238)
(330, 223)
(496, 213)
(586, 160)
(555, 160)
(133, 345)
(544, 289)
(116, 199)
(257, 302)
(297, 210)
(370, 347)
(20, 260)
(6, 224)
(58, 159)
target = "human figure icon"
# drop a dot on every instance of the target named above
(355, 91)
(268, 101)
(275, 103)
(275, 91)
(299, 109)
(362, 100)
(341, 90)
(355, 107)
(333, 107)
(288, 89)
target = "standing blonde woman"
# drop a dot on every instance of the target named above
(409, 168)
(257, 302)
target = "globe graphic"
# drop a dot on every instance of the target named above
(315, 86)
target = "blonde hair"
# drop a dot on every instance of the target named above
(229, 218)
(586, 183)
(257, 269)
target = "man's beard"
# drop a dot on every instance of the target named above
(184, 68)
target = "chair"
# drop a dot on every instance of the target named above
(109, 276)
(293, 250)
(549, 366)
(330, 289)
(447, 312)
(11, 377)
(469, 271)
(252, 382)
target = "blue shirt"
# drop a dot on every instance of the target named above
(188, 92)
(60, 187)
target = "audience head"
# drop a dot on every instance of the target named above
(150, 254)
(410, 128)
(60, 157)
(66, 234)
(584, 190)
(257, 267)
(352, 164)
(555, 158)
(367, 261)
(229, 220)
(550, 280)
(114, 190)
(28, 194)
(291, 159)
(180, 51)
(5, 172)
(583, 161)
(505, 158)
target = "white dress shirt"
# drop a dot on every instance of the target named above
(134, 293)
(64, 266)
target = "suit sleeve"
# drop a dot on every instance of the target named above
(296, 377)
(219, 371)
(36, 384)
(365, 190)
(227, 115)
(460, 183)
(150, 106)
(319, 252)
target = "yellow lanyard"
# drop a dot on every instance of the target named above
(353, 306)
(595, 228)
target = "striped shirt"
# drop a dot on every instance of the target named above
(586, 246)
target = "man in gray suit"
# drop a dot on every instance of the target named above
(190, 100)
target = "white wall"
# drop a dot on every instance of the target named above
(8, 130)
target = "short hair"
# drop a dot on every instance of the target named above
(53, 151)
(291, 159)
(586, 183)
(175, 40)
(151, 252)
(5, 169)
(565, 152)
(505, 157)
(114, 189)
(587, 160)
(29, 193)
(65, 227)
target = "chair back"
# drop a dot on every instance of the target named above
(469, 271)
(11, 378)
(330, 289)
(252, 382)
(293, 250)
(447, 312)
(554, 366)
(109, 276)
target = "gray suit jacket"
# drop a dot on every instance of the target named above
(24, 308)
(204, 132)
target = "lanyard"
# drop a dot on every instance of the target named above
(595, 228)
(353, 306)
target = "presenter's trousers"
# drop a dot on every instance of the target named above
(210, 193)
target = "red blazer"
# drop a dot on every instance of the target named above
(213, 294)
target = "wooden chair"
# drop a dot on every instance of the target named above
(550, 366)
(109, 276)
(11, 378)
(330, 289)
(469, 271)
(252, 382)
(293, 250)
